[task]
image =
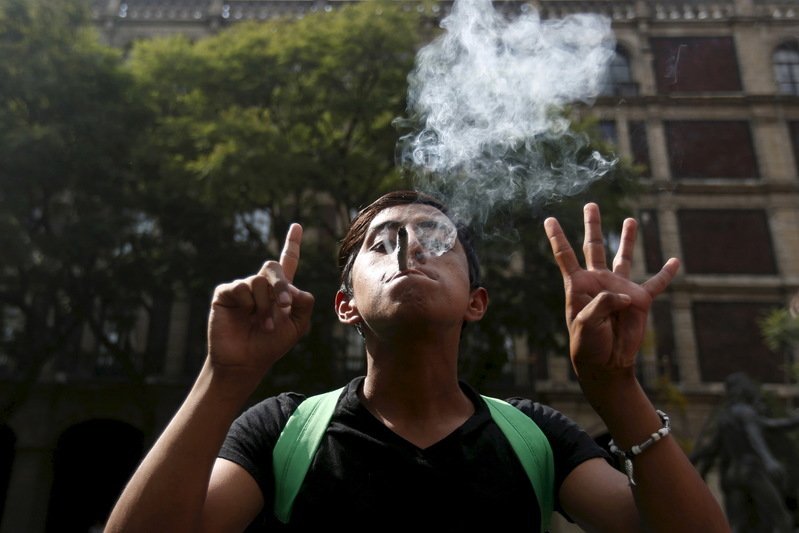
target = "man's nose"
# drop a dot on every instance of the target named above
(416, 250)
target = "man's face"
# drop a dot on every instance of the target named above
(434, 287)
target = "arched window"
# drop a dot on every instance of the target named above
(620, 78)
(786, 68)
(92, 462)
(8, 446)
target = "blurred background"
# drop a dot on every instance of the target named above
(150, 150)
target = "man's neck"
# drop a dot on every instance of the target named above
(413, 389)
(415, 368)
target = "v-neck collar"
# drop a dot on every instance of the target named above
(352, 403)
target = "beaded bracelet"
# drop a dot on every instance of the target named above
(638, 449)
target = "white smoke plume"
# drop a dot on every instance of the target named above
(486, 100)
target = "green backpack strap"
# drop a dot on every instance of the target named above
(533, 450)
(299, 440)
(296, 447)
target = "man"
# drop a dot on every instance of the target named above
(408, 445)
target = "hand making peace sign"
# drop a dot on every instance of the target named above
(606, 312)
(256, 320)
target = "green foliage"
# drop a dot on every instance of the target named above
(126, 182)
(780, 329)
(288, 118)
(68, 229)
(521, 274)
(284, 107)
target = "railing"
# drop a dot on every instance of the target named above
(617, 10)
(626, 89)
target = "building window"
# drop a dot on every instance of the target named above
(695, 64)
(8, 449)
(619, 80)
(109, 351)
(607, 130)
(710, 149)
(794, 129)
(639, 146)
(91, 462)
(665, 347)
(728, 339)
(12, 323)
(726, 241)
(786, 68)
(653, 254)
(157, 335)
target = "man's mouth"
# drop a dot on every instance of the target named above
(408, 272)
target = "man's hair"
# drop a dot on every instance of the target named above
(353, 240)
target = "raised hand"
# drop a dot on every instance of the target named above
(256, 320)
(606, 312)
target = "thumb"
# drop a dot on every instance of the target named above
(301, 308)
(602, 306)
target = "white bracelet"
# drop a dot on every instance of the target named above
(638, 449)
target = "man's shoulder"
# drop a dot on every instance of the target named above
(536, 410)
(557, 426)
(284, 404)
(283, 401)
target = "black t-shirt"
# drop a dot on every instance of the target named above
(366, 476)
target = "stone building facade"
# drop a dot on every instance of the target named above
(704, 94)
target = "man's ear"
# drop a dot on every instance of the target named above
(478, 305)
(346, 309)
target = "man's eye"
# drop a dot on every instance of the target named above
(383, 245)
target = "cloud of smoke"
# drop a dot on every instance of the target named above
(486, 104)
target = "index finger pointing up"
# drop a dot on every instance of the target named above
(290, 256)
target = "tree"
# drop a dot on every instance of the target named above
(520, 272)
(780, 329)
(265, 124)
(293, 119)
(127, 183)
(68, 230)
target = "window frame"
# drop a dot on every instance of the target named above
(620, 80)
(785, 67)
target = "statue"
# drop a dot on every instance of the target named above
(746, 443)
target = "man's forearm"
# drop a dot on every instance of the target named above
(168, 490)
(670, 494)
